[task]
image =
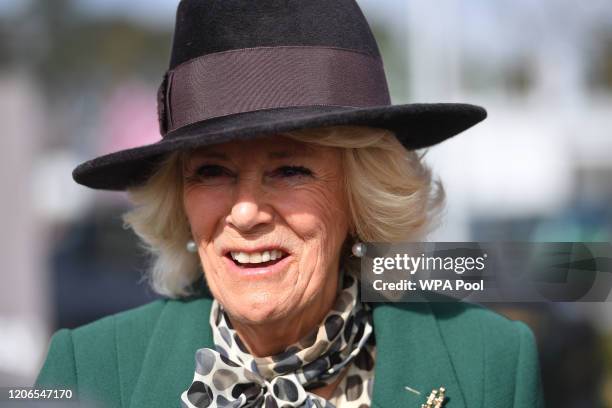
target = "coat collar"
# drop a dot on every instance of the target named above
(410, 353)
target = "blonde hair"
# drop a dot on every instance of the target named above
(391, 197)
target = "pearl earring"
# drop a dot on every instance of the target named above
(191, 246)
(359, 249)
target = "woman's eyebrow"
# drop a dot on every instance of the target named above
(281, 154)
(277, 154)
(210, 155)
(290, 153)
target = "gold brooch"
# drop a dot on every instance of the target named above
(435, 400)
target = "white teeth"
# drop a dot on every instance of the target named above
(256, 257)
(241, 257)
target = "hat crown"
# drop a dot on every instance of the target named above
(211, 26)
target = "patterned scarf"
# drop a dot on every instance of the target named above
(231, 377)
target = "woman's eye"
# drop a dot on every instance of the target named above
(292, 171)
(212, 171)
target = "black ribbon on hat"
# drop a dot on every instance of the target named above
(252, 79)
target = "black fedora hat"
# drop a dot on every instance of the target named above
(240, 69)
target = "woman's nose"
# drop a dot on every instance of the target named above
(249, 209)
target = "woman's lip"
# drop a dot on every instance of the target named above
(254, 271)
(255, 250)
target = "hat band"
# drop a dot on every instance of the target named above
(252, 79)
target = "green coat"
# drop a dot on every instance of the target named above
(145, 357)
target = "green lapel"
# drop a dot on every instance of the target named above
(169, 362)
(410, 353)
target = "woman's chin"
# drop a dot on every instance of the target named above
(256, 310)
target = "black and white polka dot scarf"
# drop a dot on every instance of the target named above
(231, 377)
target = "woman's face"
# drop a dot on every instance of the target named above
(269, 217)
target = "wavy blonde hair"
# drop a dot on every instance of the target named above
(391, 196)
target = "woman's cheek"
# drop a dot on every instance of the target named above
(205, 209)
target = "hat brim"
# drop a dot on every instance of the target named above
(415, 125)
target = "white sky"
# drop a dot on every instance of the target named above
(483, 15)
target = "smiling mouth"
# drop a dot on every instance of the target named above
(256, 259)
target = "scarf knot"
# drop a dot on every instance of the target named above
(229, 376)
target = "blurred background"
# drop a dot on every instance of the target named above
(78, 78)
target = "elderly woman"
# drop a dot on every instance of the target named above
(281, 151)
